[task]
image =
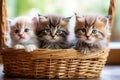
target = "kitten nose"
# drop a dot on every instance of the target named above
(20, 35)
(87, 37)
(52, 36)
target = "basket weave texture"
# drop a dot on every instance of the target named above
(58, 63)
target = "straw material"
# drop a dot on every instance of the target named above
(41, 63)
(3, 27)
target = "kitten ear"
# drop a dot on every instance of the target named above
(109, 16)
(9, 25)
(66, 19)
(104, 19)
(80, 18)
(35, 20)
(43, 18)
(9, 21)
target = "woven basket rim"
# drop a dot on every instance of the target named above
(55, 53)
(51, 65)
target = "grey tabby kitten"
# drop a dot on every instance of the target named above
(53, 31)
(92, 33)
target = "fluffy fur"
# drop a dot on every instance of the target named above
(53, 32)
(23, 33)
(92, 33)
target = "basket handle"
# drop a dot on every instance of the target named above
(3, 20)
(111, 12)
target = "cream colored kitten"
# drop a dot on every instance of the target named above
(23, 33)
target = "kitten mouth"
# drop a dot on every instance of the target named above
(53, 39)
(88, 40)
(21, 38)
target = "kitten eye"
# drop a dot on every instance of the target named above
(47, 30)
(59, 31)
(83, 30)
(26, 30)
(94, 31)
(16, 31)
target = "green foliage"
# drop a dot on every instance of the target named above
(58, 6)
(64, 7)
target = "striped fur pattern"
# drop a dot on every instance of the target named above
(91, 33)
(53, 32)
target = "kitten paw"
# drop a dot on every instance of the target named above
(84, 50)
(18, 46)
(30, 48)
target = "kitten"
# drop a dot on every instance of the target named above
(53, 32)
(92, 33)
(23, 33)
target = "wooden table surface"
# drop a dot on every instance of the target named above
(108, 73)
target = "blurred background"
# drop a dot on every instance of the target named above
(66, 8)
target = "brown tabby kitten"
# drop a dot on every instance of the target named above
(53, 32)
(91, 33)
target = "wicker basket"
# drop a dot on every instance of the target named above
(53, 63)
(56, 63)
